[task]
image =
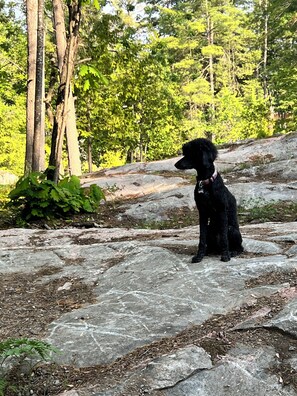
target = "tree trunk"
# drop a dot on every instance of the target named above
(264, 5)
(141, 152)
(90, 156)
(62, 105)
(265, 49)
(210, 41)
(72, 139)
(89, 140)
(31, 16)
(38, 143)
(71, 130)
(50, 93)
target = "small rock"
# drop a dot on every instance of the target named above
(66, 286)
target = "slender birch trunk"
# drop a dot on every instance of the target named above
(71, 129)
(210, 40)
(31, 18)
(38, 143)
(62, 105)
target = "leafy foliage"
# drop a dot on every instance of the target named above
(3, 384)
(136, 108)
(158, 90)
(25, 347)
(12, 96)
(147, 81)
(19, 349)
(38, 197)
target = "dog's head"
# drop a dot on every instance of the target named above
(197, 154)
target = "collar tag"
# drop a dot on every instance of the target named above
(200, 187)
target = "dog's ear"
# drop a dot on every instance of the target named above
(207, 159)
(209, 154)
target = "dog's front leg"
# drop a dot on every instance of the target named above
(203, 221)
(224, 236)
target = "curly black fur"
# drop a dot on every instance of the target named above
(219, 230)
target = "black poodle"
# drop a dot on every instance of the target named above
(219, 230)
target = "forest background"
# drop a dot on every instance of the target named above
(149, 76)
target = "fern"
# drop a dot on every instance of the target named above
(19, 349)
(25, 347)
(3, 385)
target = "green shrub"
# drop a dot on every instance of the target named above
(38, 197)
(20, 349)
(261, 211)
(3, 384)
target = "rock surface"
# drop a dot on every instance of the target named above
(148, 292)
(7, 178)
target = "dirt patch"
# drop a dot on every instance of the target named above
(274, 278)
(27, 306)
(111, 215)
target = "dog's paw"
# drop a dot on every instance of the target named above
(235, 253)
(197, 258)
(225, 257)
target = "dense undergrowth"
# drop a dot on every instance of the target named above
(36, 197)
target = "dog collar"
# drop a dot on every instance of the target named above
(208, 181)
